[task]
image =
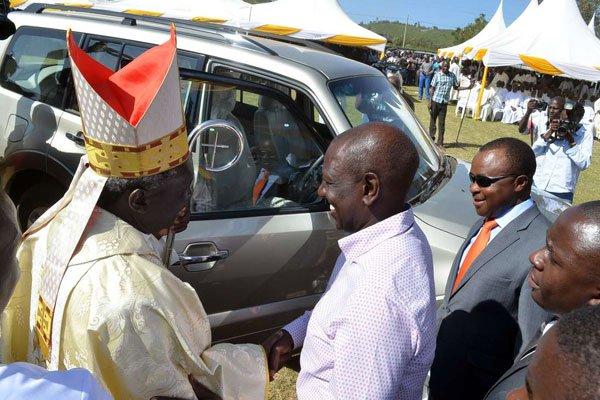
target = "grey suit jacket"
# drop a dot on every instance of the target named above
(482, 325)
(514, 377)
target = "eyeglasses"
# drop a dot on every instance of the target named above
(486, 181)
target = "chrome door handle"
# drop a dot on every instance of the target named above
(77, 138)
(219, 255)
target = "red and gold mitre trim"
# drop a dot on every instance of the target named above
(132, 162)
(133, 120)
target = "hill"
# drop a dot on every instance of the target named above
(417, 37)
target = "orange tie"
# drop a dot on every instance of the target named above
(478, 246)
(259, 185)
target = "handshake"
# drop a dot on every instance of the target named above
(278, 347)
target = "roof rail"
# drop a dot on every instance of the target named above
(224, 31)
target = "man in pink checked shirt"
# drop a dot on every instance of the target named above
(372, 333)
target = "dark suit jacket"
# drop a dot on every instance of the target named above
(478, 325)
(513, 378)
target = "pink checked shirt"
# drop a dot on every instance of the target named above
(372, 334)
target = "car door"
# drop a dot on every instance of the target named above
(261, 220)
(31, 95)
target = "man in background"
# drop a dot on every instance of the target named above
(562, 146)
(372, 333)
(443, 82)
(487, 312)
(425, 75)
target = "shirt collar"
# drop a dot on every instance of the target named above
(359, 243)
(508, 215)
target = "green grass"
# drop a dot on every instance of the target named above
(476, 133)
(472, 136)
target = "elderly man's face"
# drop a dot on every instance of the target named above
(9, 239)
(342, 190)
(563, 277)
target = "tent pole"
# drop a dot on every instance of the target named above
(462, 119)
(481, 90)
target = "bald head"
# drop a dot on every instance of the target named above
(367, 173)
(585, 219)
(382, 149)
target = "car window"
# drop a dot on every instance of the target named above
(36, 64)
(277, 166)
(116, 54)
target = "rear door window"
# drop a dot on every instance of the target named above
(36, 64)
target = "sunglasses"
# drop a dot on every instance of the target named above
(486, 181)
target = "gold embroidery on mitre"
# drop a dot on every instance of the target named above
(43, 327)
(131, 162)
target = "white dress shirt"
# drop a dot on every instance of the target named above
(372, 334)
(505, 218)
(559, 164)
(28, 381)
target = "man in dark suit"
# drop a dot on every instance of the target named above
(487, 312)
(565, 276)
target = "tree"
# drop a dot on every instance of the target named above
(466, 33)
(588, 8)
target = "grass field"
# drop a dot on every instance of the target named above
(473, 135)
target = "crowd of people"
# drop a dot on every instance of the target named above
(560, 115)
(90, 312)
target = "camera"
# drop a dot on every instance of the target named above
(540, 105)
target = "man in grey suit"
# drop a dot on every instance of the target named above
(565, 276)
(487, 312)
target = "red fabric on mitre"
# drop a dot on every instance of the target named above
(130, 90)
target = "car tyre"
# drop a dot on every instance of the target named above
(35, 201)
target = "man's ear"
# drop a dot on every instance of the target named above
(522, 182)
(371, 187)
(138, 201)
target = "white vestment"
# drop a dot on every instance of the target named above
(132, 323)
(512, 103)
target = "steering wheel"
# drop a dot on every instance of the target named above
(305, 181)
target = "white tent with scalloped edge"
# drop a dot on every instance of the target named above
(526, 18)
(496, 26)
(552, 40)
(322, 20)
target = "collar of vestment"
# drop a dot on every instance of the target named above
(359, 243)
(107, 235)
(506, 216)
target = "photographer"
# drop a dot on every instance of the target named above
(562, 146)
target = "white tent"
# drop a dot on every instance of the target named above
(592, 24)
(314, 20)
(322, 20)
(496, 26)
(525, 19)
(554, 40)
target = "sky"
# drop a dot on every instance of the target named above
(441, 13)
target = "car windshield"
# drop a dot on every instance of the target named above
(373, 99)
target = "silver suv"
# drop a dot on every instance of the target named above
(260, 245)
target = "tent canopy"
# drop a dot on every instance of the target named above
(496, 26)
(526, 18)
(305, 19)
(592, 24)
(554, 39)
